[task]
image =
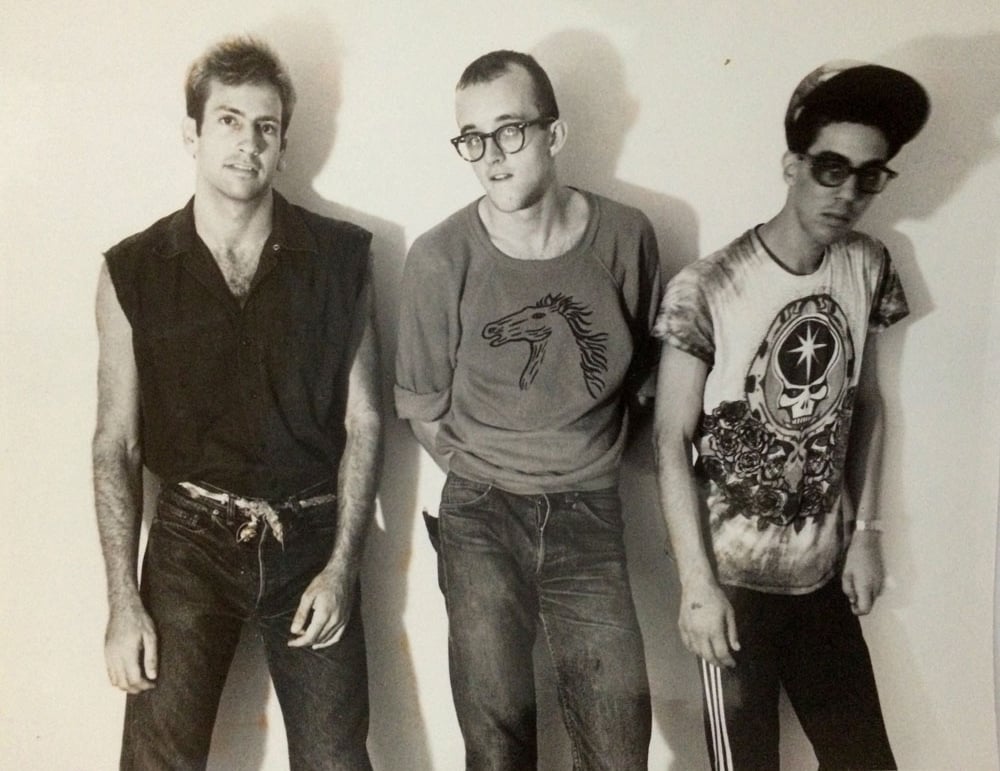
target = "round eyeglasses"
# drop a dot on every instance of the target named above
(510, 138)
(832, 170)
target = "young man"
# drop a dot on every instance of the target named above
(238, 363)
(769, 352)
(525, 322)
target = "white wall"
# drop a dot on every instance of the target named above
(675, 107)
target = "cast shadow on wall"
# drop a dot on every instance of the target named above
(312, 51)
(589, 78)
(962, 77)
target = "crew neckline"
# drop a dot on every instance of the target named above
(774, 258)
(583, 243)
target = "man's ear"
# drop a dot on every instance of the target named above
(281, 156)
(558, 131)
(189, 131)
(790, 165)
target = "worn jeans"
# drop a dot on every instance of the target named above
(200, 585)
(508, 562)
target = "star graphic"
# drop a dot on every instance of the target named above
(807, 349)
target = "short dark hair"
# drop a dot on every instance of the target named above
(812, 122)
(491, 66)
(237, 61)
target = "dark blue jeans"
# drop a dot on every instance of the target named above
(200, 585)
(511, 563)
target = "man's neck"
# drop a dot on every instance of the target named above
(547, 229)
(790, 245)
(227, 225)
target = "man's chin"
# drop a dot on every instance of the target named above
(510, 204)
(832, 229)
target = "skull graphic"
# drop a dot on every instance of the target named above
(806, 353)
(802, 368)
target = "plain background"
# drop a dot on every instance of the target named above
(674, 107)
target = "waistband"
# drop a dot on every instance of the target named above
(246, 516)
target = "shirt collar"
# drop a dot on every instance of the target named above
(288, 230)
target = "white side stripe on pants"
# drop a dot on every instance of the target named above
(711, 681)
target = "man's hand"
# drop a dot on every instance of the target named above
(130, 649)
(708, 624)
(329, 598)
(862, 578)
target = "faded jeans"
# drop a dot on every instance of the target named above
(510, 563)
(200, 585)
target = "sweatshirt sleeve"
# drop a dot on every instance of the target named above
(429, 331)
(648, 302)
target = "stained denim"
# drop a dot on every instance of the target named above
(508, 562)
(200, 585)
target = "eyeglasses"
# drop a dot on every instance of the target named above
(832, 170)
(509, 138)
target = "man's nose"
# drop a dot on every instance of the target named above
(848, 189)
(252, 141)
(492, 149)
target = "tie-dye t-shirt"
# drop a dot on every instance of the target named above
(784, 352)
(525, 362)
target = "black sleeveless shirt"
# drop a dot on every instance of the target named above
(248, 399)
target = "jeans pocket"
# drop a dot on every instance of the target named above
(603, 506)
(459, 493)
(175, 516)
(469, 515)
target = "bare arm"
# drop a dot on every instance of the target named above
(863, 573)
(707, 622)
(130, 641)
(426, 432)
(331, 594)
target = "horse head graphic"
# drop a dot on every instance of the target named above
(535, 325)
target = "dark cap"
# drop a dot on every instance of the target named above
(855, 92)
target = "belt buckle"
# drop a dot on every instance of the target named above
(247, 531)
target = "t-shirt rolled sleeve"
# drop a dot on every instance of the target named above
(428, 334)
(685, 320)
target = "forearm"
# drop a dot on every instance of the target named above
(706, 620)
(357, 475)
(118, 503)
(681, 510)
(865, 464)
(680, 389)
(117, 455)
(357, 481)
(863, 572)
(864, 457)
